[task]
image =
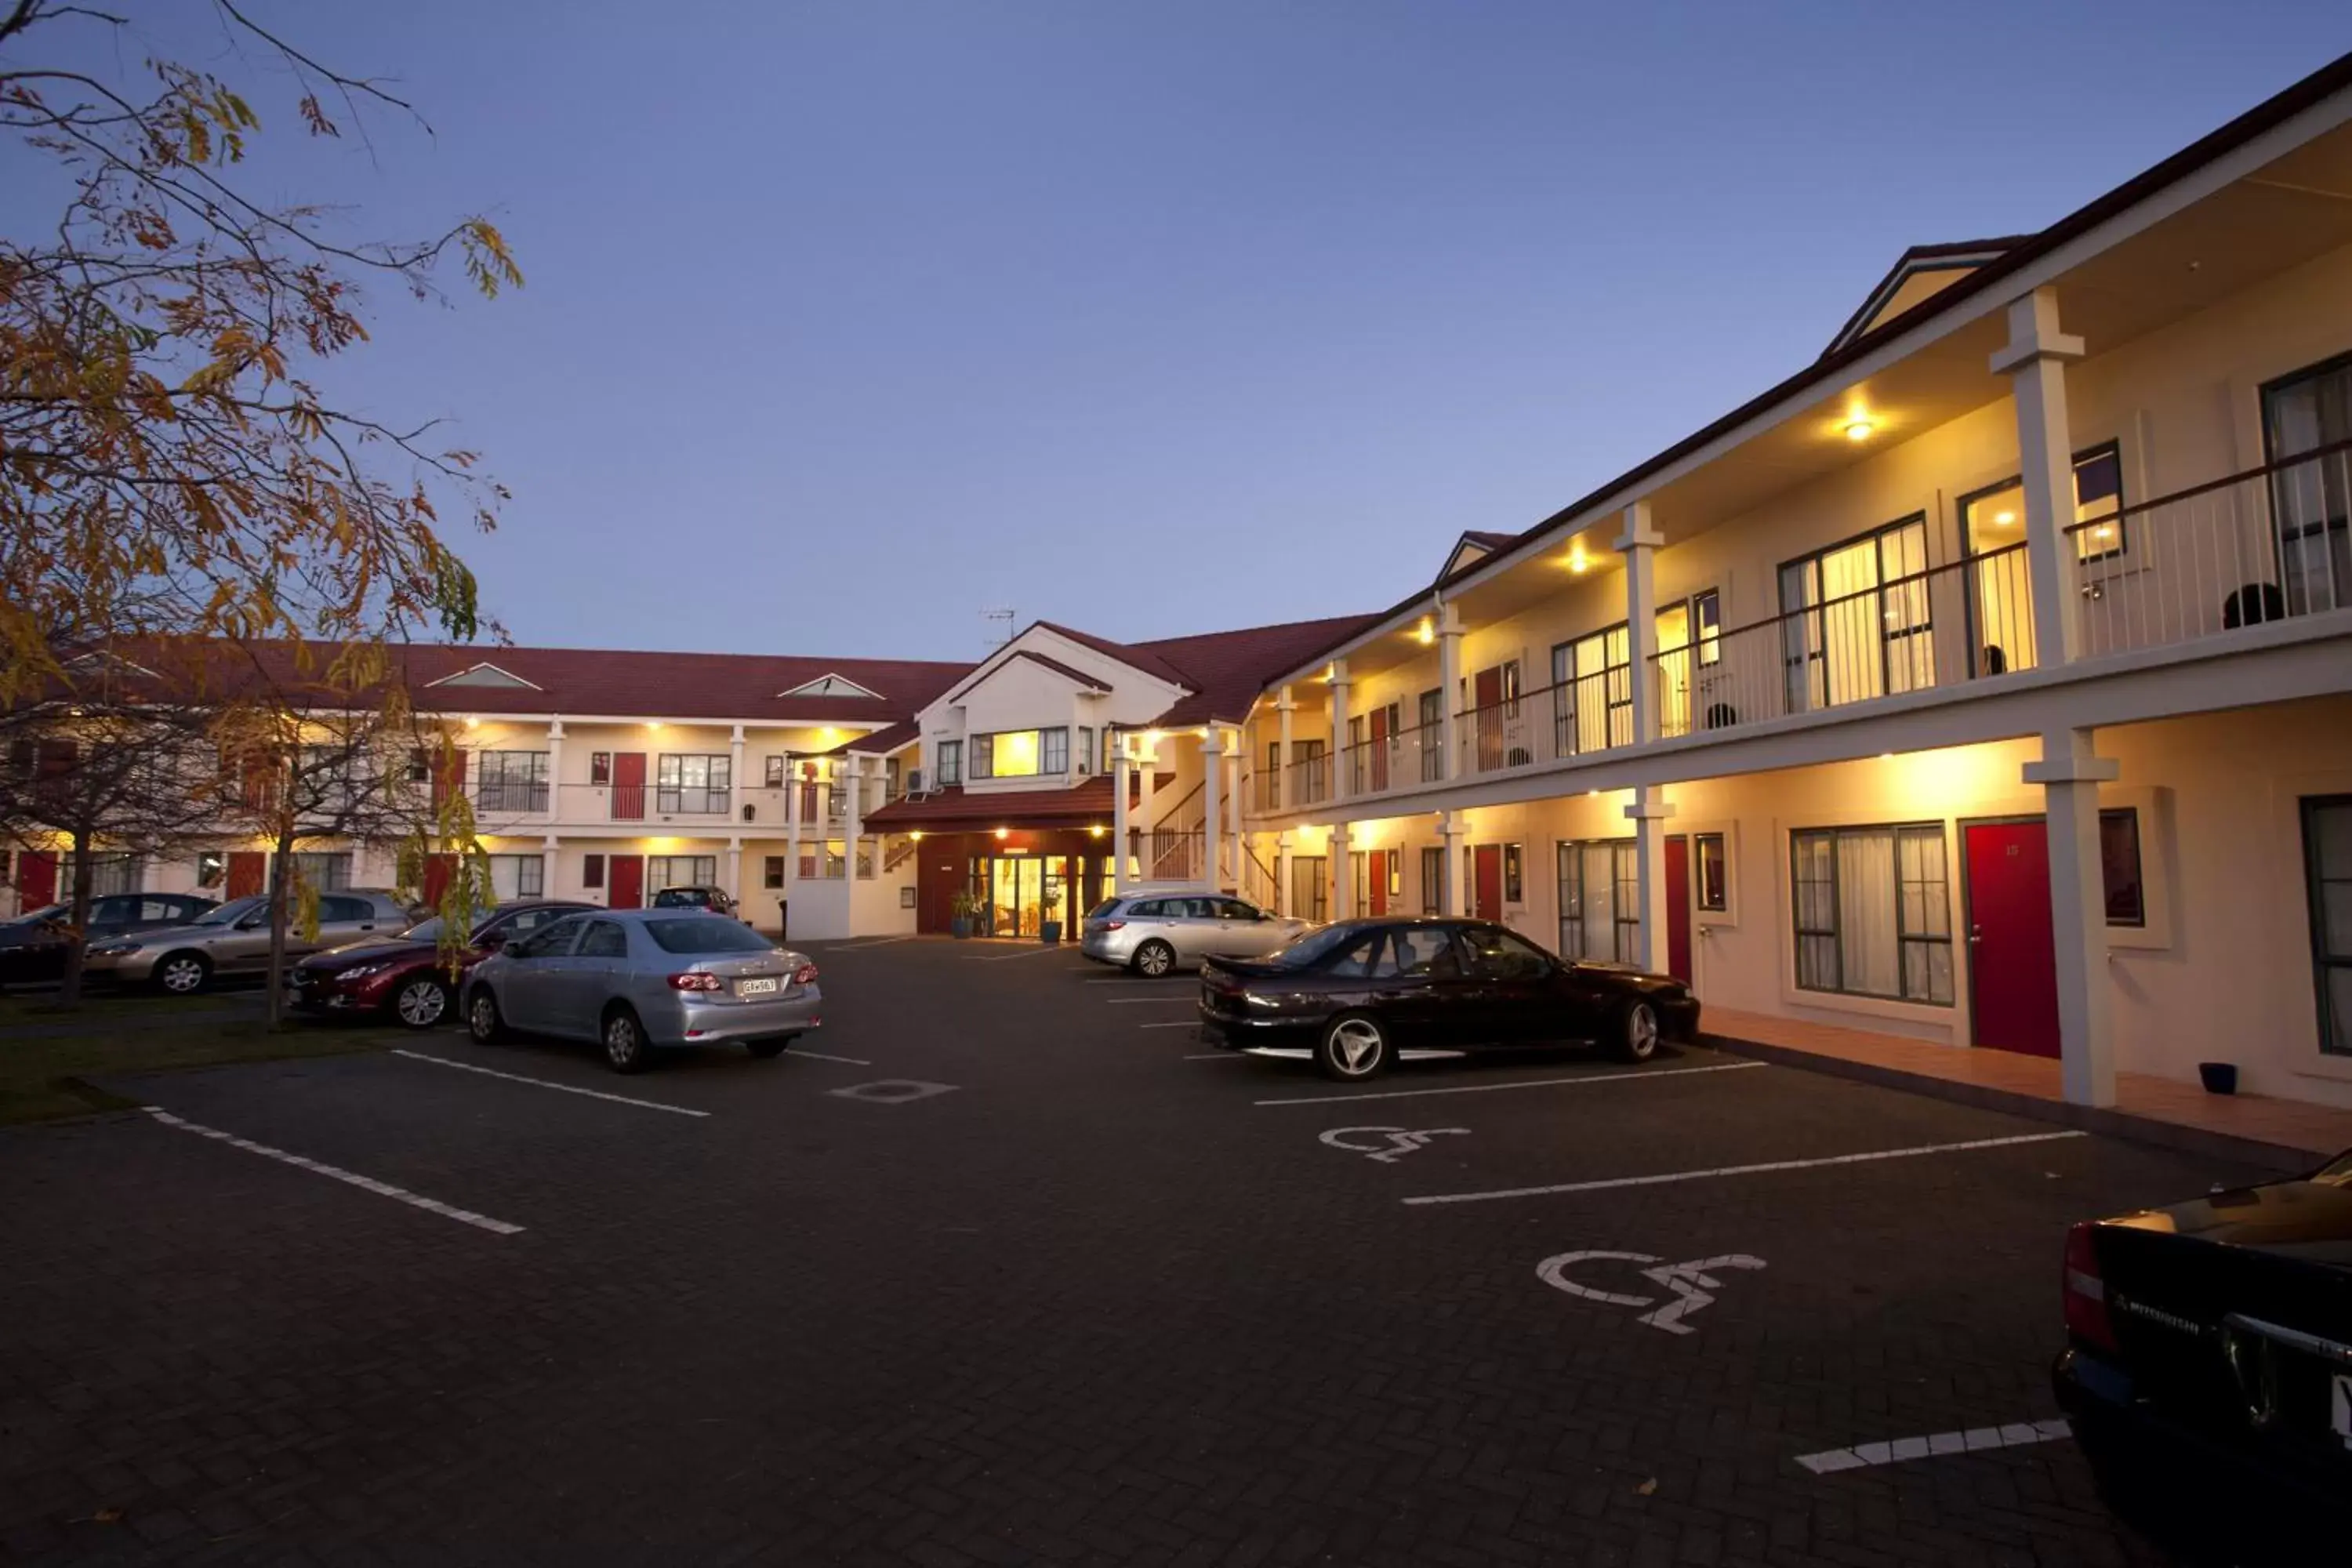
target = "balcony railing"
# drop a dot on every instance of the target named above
(2267, 544)
(510, 797)
(1306, 782)
(1406, 759)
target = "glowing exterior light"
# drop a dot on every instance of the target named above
(2004, 518)
(1002, 832)
(472, 723)
(1859, 428)
(1578, 562)
(915, 837)
(1425, 633)
(1095, 831)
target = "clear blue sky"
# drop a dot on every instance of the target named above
(847, 320)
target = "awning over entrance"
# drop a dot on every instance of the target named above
(955, 810)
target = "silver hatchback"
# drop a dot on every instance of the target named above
(637, 980)
(1154, 933)
(234, 939)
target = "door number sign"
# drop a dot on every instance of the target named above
(1385, 1144)
(1691, 1284)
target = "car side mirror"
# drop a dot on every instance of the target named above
(253, 922)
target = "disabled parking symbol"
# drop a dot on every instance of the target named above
(1389, 1144)
(1691, 1283)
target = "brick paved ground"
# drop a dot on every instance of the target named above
(1098, 1305)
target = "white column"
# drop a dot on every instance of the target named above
(1343, 876)
(1213, 770)
(1284, 785)
(734, 883)
(1449, 689)
(547, 848)
(735, 780)
(792, 823)
(554, 776)
(1638, 544)
(1240, 839)
(852, 816)
(1337, 748)
(1282, 871)
(1649, 812)
(1455, 825)
(2070, 773)
(1118, 844)
(2035, 361)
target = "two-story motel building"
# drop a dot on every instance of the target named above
(1988, 681)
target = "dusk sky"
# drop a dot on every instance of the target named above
(845, 321)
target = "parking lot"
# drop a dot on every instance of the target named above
(1009, 1267)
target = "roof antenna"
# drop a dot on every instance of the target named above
(999, 627)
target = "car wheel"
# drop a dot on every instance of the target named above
(1633, 1033)
(1154, 958)
(769, 1050)
(625, 1041)
(482, 1019)
(421, 1002)
(1354, 1047)
(183, 973)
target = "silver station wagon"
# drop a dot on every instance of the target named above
(1154, 933)
(641, 981)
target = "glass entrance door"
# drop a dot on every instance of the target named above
(1024, 891)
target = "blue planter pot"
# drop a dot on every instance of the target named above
(1049, 932)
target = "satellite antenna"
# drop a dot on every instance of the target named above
(999, 627)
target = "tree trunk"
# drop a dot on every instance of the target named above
(274, 1002)
(77, 943)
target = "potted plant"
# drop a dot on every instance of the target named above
(961, 909)
(1049, 931)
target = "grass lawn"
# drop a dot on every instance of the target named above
(48, 1076)
(102, 1001)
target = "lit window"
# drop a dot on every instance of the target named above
(1714, 872)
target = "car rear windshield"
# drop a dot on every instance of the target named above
(1311, 948)
(710, 933)
(1102, 910)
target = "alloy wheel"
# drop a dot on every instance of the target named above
(1155, 960)
(1641, 1030)
(182, 975)
(421, 1004)
(484, 1017)
(1356, 1044)
(621, 1041)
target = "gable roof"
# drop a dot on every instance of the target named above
(1137, 656)
(484, 674)
(832, 683)
(1918, 275)
(1055, 665)
(1475, 544)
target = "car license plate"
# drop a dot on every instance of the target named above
(764, 986)
(2340, 1409)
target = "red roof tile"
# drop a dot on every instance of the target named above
(1055, 665)
(1226, 671)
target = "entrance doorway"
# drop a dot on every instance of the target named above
(624, 885)
(1021, 892)
(1487, 882)
(1678, 907)
(2012, 950)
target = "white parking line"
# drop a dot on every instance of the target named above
(1145, 979)
(1186, 1024)
(1755, 1170)
(1975, 1440)
(1522, 1083)
(382, 1189)
(821, 1057)
(879, 941)
(1185, 1000)
(545, 1083)
(1009, 957)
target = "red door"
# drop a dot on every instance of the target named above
(37, 879)
(625, 877)
(1678, 907)
(1379, 756)
(439, 869)
(1486, 882)
(2012, 954)
(628, 792)
(1487, 698)
(245, 873)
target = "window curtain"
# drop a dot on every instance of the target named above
(1868, 940)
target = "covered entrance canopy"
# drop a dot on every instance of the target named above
(1026, 857)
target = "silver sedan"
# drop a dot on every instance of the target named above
(638, 981)
(1154, 933)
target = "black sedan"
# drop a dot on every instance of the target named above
(1361, 994)
(2207, 1370)
(33, 946)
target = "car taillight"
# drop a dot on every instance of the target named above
(696, 981)
(2085, 1290)
(804, 975)
(1114, 925)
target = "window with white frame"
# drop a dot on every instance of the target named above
(681, 871)
(518, 876)
(1592, 692)
(1085, 759)
(511, 781)
(692, 782)
(109, 873)
(1600, 899)
(1857, 622)
(323, 870)
(1054, 751)
(1873, 912)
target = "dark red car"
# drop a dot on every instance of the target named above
(405, 976)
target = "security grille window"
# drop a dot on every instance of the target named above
(681, 871)
(2328, 858)
(1592, 692)
(2119, 867)
(518, 876)
(2311, 411)
(951, 764)
(1856, 619)
(511, 781)
(1872, 913)
(1713, 868)
(1600, 899)
(692, 783)
(1433, 881)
